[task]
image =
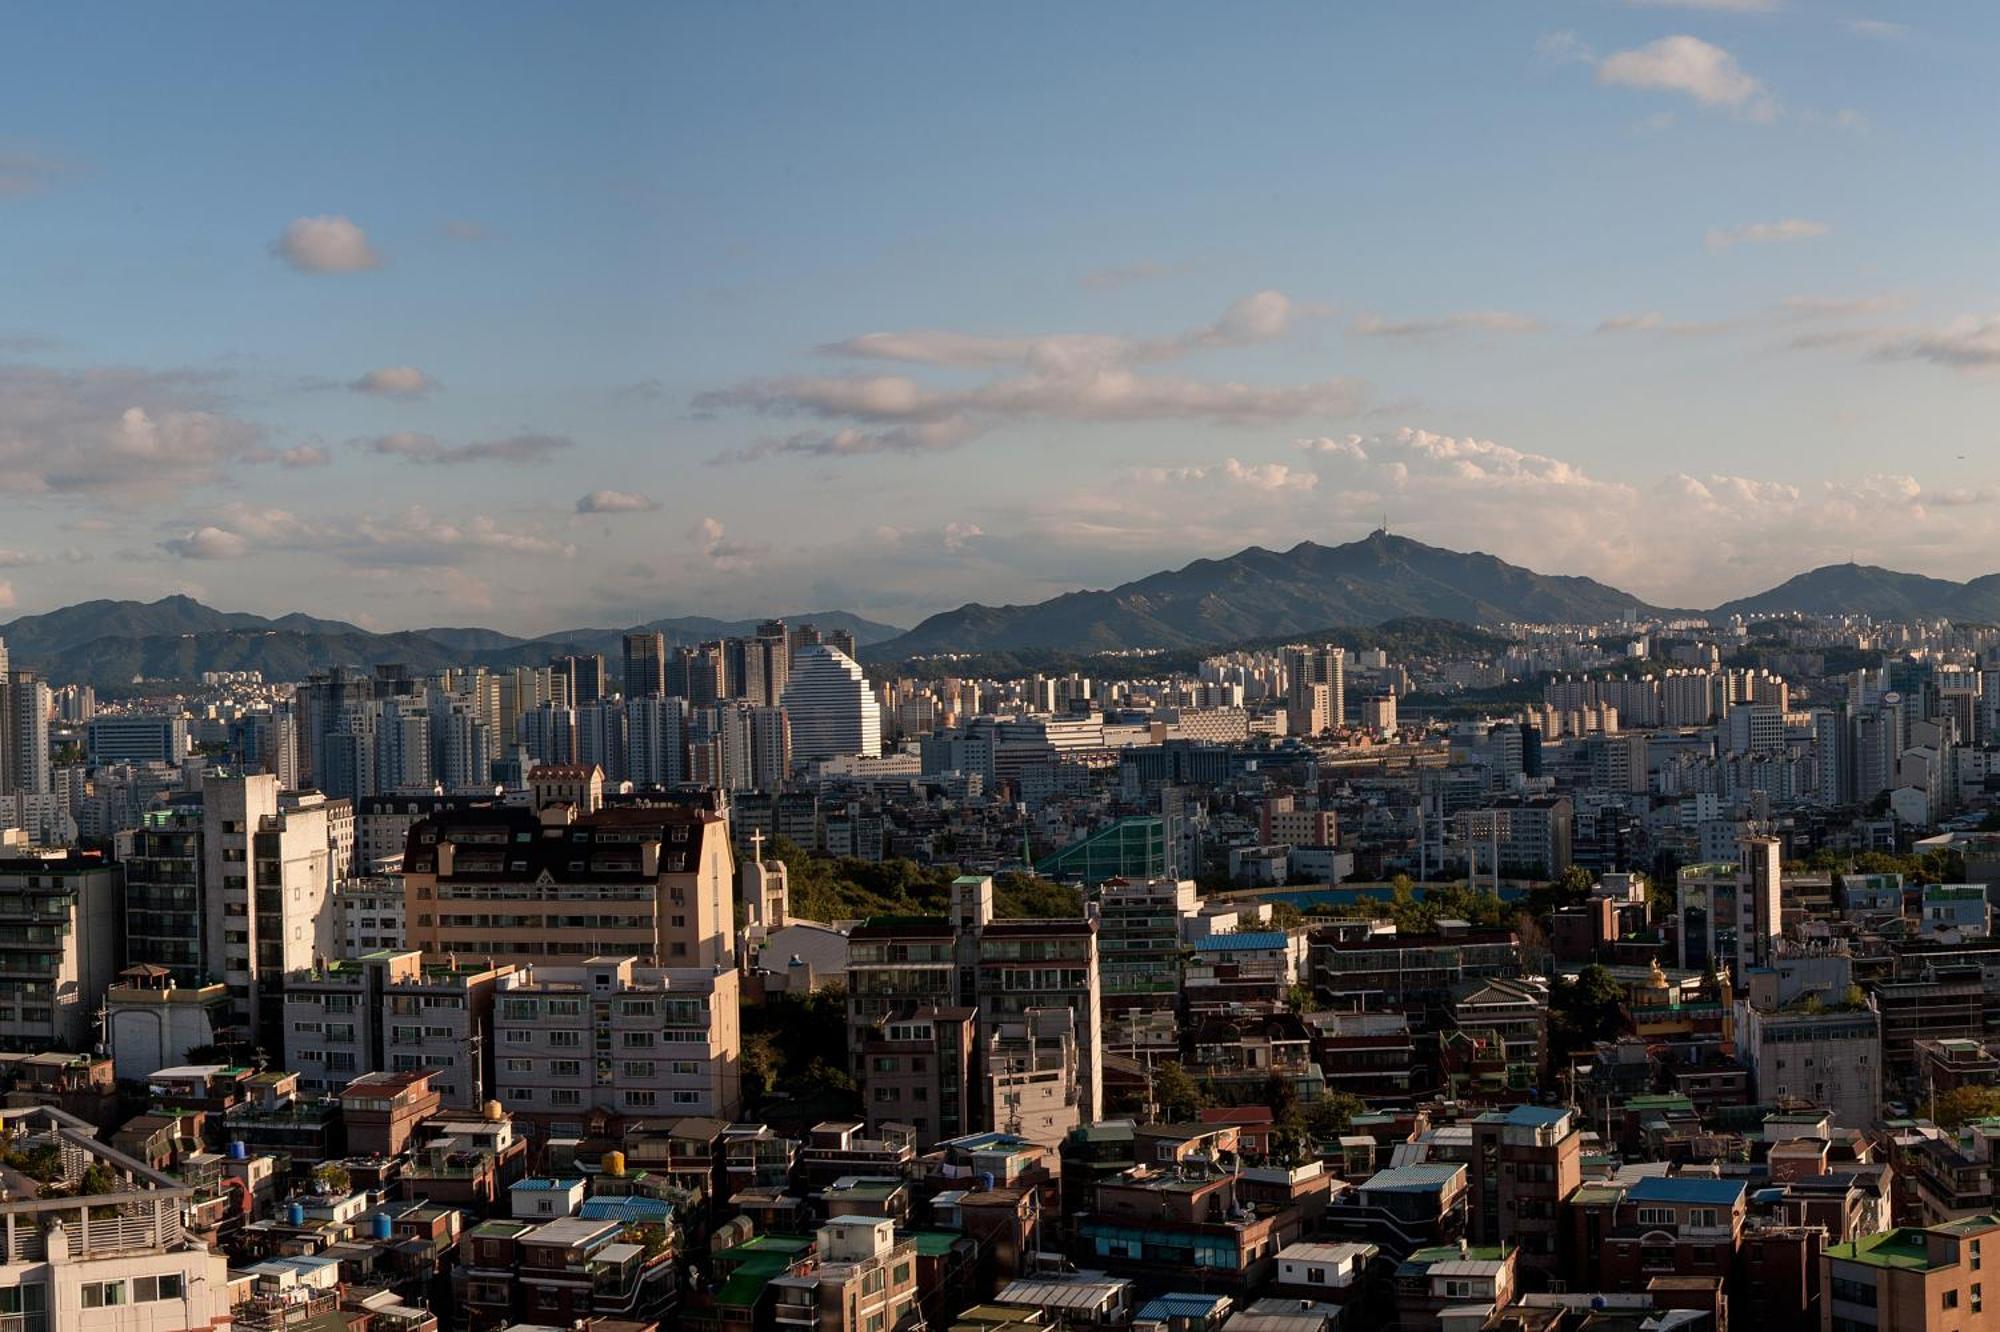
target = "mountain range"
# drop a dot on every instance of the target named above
(110, 643)
(1258, 593)
(1253, 595)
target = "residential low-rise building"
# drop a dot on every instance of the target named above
(393, 1012)
(586, 1048)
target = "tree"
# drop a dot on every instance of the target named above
(332, 1179)
(1963, 1105)
(1333, 1113)
(1583, 1010)
(648, 1235)
(1285, 916)
(1178, 1095)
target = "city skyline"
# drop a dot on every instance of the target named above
(501, 318)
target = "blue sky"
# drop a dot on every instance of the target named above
(540, 316)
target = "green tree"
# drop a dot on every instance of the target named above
(1962, 1105)
(332, 1179)
(1581, 1010)
(1333, 1113)
(1178, 1095)
(1285, 916)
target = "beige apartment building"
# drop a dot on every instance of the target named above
(511, 884)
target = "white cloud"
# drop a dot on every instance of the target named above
(117, 433)
(1877, 28)
(720, 552)
(301, 456)
(1765, 233)
(209, 543)
(957, 536)
(415, 537)
(1262, 316)
(1347, 446)
(1475, 321)
(428, 449)
(395, 381)
(615, 501)
(1693, 68)
(326, 244)
(1270, 477)
(1968, 343)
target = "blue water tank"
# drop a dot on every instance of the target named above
(986, 1180)
(237, 1151)
(384, 1227)
(295, 1214)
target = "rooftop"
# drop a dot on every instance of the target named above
(1687, 1189)
(1222, 943)
(1891, 1248)
(1412, 1178)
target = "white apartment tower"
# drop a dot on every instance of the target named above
(832, 710)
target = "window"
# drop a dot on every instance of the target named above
(1950, 1300)
(564, 1096)
(147, 1289)
(565, 1068)
(565, 1040)
(1656, 1216)
(637, 1068)
(110, 1294)
(1978, 1299)
(1316, 1276)
(518, 1065)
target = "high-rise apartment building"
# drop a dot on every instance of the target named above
(775, 649)
(833, 711)
(24, 734)
(267, 876)
(645, 665)
(656, 740)
(59, 931)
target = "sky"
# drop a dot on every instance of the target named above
(540, 316)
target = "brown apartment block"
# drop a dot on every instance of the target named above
(653, 882)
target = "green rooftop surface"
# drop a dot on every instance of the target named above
(935, 1243)
(757, 1262)
(1891, 1248)
(1447, 1253)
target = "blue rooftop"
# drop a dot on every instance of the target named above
(1177, 1305)
(1222, 943)
(1686, 1189)
(630, 1210)
(543, 1183)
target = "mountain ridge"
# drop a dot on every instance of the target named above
(109, 643)
(1253, 595)
(1259, 593)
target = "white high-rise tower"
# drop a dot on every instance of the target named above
(833, 712)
